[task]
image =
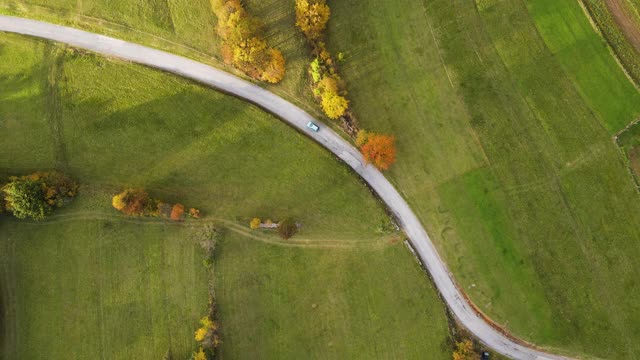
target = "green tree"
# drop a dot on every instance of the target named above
(26, 199)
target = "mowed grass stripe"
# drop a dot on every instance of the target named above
(570, 205)
(587, 60)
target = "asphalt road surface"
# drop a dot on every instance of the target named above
(297, 118)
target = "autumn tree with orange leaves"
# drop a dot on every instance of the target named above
(379, 150)
(177, 212)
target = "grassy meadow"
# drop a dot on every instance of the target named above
(504, 113)
(72, 283)
(77, 287)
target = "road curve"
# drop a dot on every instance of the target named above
(297, 118)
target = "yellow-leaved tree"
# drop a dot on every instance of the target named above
(255, 223)
(312, 17)
(334, 105)
(200, 355)
(465, 351)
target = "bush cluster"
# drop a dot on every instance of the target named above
(465, 350)
(137, 202)
(329, 89)
(243, 45)
(287, 228)
(623, 49)
(35, 196)
(207, 336)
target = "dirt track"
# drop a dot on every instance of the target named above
(626, 21)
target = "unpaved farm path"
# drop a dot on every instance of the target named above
(297, 118)
(627, 21)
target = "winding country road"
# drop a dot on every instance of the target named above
(297, 118)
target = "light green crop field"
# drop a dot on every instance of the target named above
(585, 58)
(76, 287)
(90, 282)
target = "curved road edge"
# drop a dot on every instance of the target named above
(297, 118)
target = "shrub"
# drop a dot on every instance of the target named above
(133, 202)
(379, 150)
(464, 351)
(177, 212)
(287, 228)
(314, 70)
(164, 209)
(25, 198)
(361, 138)
(35, 195)
(200, 355)
(194, 213)
(255, 223)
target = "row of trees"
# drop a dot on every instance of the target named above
(137, 202)
(207, 337)
(330, 89)
(35, 196)
(243, 45)
(312, 17)
(286, 228)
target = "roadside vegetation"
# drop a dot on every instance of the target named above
(115, 126)
(243, 44)
(629, 141)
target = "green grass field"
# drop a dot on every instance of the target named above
(76, 287)
(359, 303)
(90, 282)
